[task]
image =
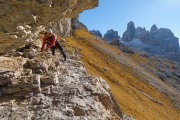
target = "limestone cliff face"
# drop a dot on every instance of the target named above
(76, 24)
(20, 18)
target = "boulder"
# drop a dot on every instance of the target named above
(78, 111)
(50, 79)
(29, 53)
(28, 84)
(37, 66)
(6, 77)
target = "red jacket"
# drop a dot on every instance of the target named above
(50, 41)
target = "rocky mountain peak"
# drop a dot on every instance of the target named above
(111, 35)
(140, 32)
(163, 39)
(96, 33)
(130, 26)
(154, 28)
(129, 33)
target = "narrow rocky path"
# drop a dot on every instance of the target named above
(42, 87)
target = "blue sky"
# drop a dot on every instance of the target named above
(115, 14)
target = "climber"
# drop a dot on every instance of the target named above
(51, 42)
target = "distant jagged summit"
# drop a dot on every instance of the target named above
(129, 33)
(96, 33)
(111, 35)
(157, 41)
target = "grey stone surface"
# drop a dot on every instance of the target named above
(50, 79)
(25, 84)
(65, 91)
(111, 35)
(76, 24)
(37, 66)
(6, 77)
(29, 53)
(125, 117)
(128, 35)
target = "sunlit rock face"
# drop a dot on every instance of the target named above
(21, 17)
(23, 20)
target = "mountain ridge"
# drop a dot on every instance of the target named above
(157, 41)
(161, 41)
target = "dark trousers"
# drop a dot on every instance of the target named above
(58, 45)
